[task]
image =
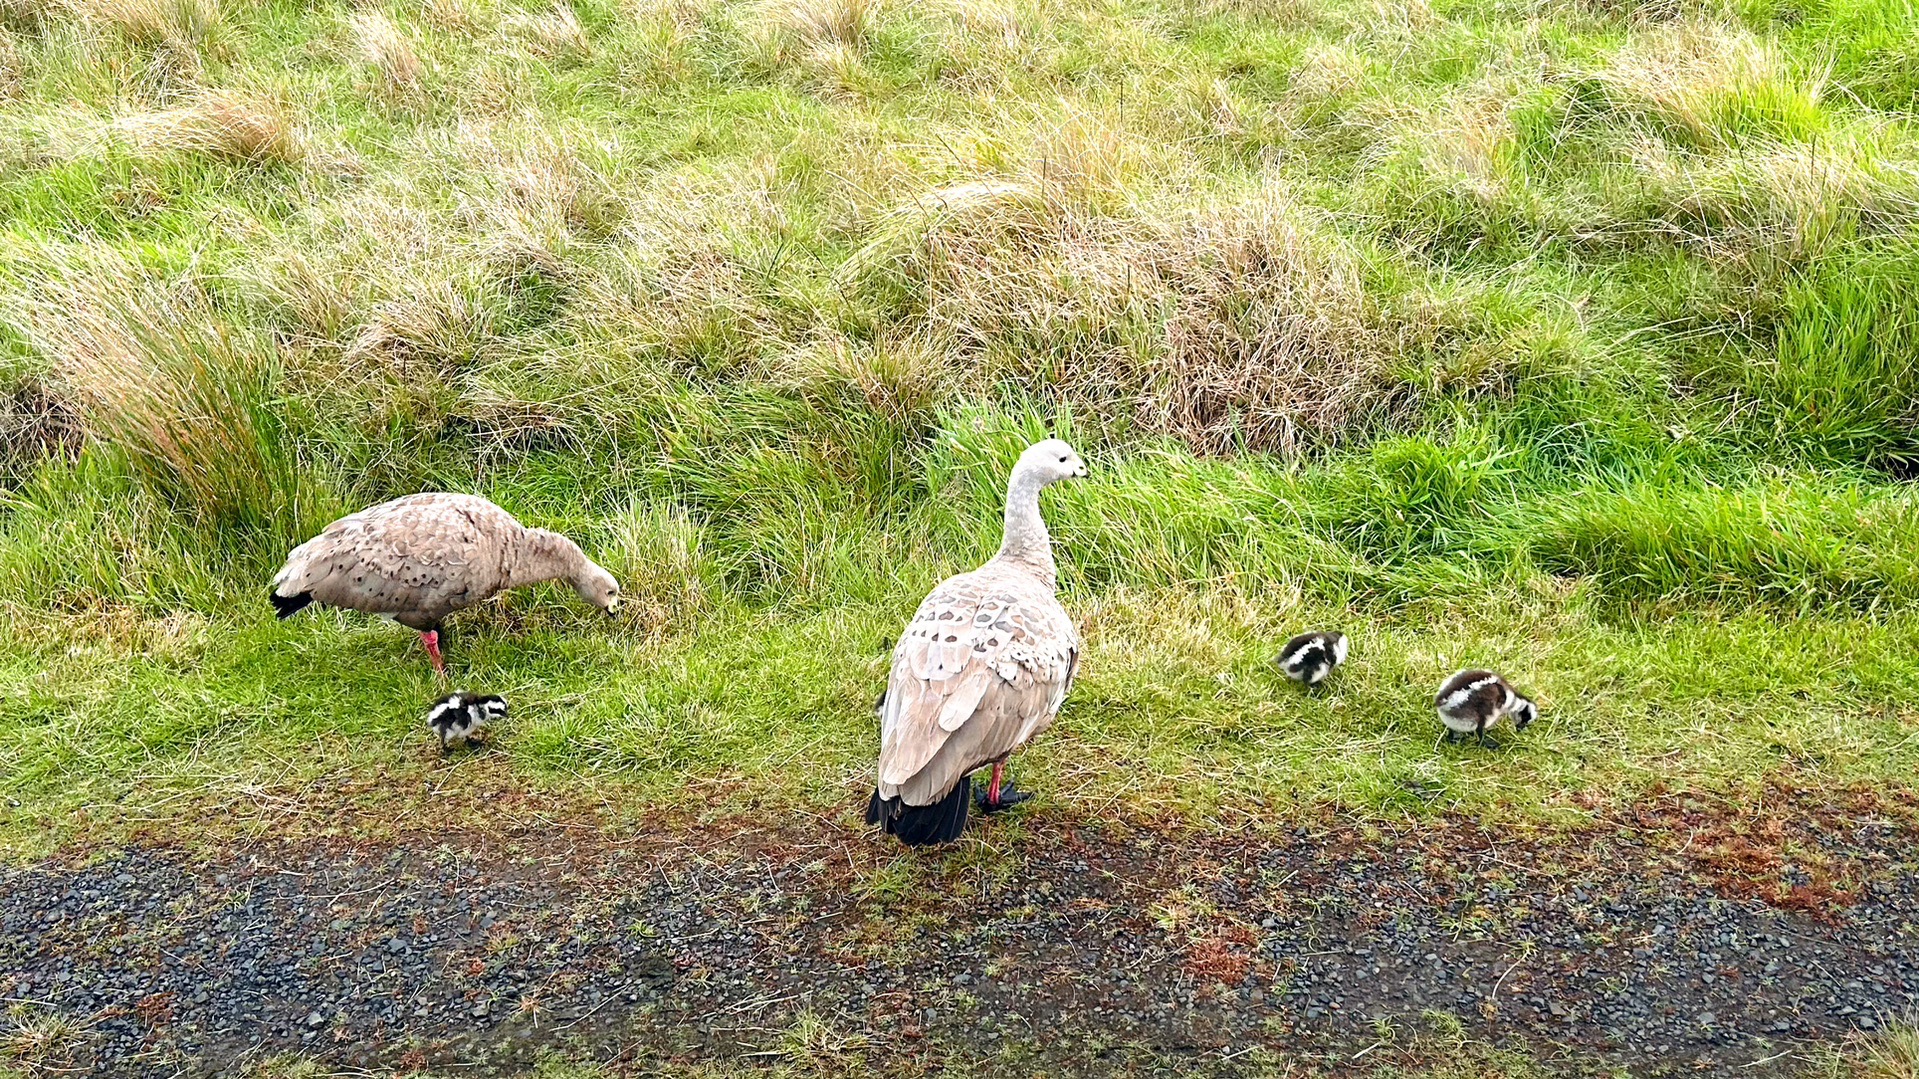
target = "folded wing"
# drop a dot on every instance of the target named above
(417, 558)
(983, 667)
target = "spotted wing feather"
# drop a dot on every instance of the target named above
(416, 559)
(983, 667)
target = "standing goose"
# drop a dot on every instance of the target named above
(420, 558)
(982, 668)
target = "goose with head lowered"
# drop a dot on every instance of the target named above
(420, 558)
(983, 667)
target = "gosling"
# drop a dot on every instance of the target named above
(1473, 700)
(462, 718)
(1310, 657)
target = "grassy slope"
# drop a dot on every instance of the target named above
(1572, 339)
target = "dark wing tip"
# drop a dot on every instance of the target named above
(925, 826)
(288, 606)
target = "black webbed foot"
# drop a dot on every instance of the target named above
(1009, 797)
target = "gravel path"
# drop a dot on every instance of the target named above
(1671, 940)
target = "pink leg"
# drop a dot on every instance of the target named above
(431, 638)
(992, 788)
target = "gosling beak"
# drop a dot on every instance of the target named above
(613, 608)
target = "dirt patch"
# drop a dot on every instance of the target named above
(1040, 945)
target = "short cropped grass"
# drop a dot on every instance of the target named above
(1429, 1046)
(1575, 340)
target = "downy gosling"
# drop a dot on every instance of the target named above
(1310, 657)
(1473, 700)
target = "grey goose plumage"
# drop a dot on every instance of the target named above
(420, 558)
(982, 668)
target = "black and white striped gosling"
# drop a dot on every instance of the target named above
(461, 718)
(1310, 657)
(1471, 701)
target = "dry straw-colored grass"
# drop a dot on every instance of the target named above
(456, 16)
(28, 15)
(1692, 76)
(10, 66)
(34, 424)
(385, 48)
(1463, 146)
(820, 24)
(676, 280)
(151, 368)
(1326, 72)
(1779, 203)
(1240, 324)
(993, 22)
(217, 123)
(409, 295)
(157, 22)
(553, 33)
(687, 15)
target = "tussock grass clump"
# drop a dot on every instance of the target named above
(544, 187)
(1461, 169)
(220, 124)
(667, 574)
(26, 15)
(1244, 324)
(457, 16)
(1839, 381)
(997, 23)
(678, 280)
(174, 23)
(1778, 205)
(384, 47)
(35, 424)
(553, 32)
(155, 372)
(1415, 496)
(1326, 76)
(10, 64)
(1800, 546)
(817, 24)
(1712, 85)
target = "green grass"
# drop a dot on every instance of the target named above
(1576, 341)
(1433, 1046)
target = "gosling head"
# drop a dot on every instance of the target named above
(1524, 711)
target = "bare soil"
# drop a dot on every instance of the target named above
(1677, 934)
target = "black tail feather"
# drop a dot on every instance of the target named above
(923, 826)
(288, 606)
